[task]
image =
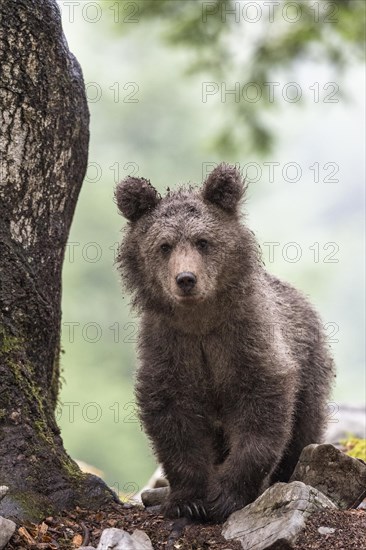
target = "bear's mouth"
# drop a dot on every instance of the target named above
(188, 298)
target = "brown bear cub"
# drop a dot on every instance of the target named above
(234, 367)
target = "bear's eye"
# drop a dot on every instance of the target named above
(165, 247)
(202, 244)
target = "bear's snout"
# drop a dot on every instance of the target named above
(186, 281)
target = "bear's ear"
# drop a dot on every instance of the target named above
(224, 187)
(135, 197)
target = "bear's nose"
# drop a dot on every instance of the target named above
(186, 280)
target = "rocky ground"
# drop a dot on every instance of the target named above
(321, 508)
(328, 530)
(339, 530)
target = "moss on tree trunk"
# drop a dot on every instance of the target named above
(44, 148)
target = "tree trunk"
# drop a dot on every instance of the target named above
(44, 147)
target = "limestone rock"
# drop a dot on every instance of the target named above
(118, 539)
(3, 491)
(326, 530)
(154, 497)
(7, 528)
(141, 540)
(337, 475)
(276, 518)
(157, 480)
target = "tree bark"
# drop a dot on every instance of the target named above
(44, 146)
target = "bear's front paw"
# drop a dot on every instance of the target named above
(221, 503)
(192, 508)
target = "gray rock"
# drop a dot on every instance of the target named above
(86, 548)
(7, 528)
(3, 491)
(154, 497)
(141, 540)
(337, 475)
(326, 530)
(118, 539)
(276, 518)
(157, 480)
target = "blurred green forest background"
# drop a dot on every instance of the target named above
(158, 76)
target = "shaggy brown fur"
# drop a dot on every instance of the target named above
(235, 371)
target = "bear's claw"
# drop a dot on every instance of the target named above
(193, 510)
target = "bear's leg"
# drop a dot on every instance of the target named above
(182, 444)
(187, 471)
(307, 429)
(310, 408)
(240, 479)
(258, 427)
(290, 458)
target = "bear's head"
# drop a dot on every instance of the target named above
(187, 248)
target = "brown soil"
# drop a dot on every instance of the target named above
(81, 527)
(350, 531)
